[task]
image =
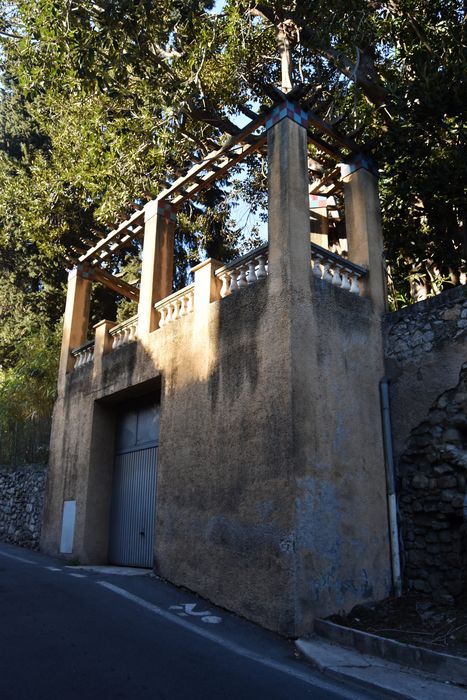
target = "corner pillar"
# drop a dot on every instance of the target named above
(157, 264)
(76, 318)
(363, 224)
(288, 187)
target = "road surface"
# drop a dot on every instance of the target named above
(69, 632)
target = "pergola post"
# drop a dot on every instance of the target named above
(157, 265)
(319, 224)
(363, 224)
(288, 212)
(76, 318)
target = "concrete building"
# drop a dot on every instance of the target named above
(230, 435)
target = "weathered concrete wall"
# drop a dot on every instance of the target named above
(21, 505)
(270, 491)
(342, 524)
(426, 352)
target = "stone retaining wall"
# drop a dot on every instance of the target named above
(21, 505)
(433, 504)
(426, 349)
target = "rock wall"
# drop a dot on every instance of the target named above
(21, 505)
(433, 503)
(426, 351)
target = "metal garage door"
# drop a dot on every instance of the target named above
(134, 488)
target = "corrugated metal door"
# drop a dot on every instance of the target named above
(134, 488)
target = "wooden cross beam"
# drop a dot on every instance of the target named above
(104, 245)
(117, 285)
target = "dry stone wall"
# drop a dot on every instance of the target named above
(21, 505)
(433, 503)
(426, 353)
(416, 331)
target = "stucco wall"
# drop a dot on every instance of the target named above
(341, 491)
(270, 490)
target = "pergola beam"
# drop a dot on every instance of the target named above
(206, 170)
(114, 283)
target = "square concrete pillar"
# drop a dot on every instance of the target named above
(319, 223)
(207, 285)
(288, 187)
(157, 264)
(363, 224)
(76, 318)
(102, 344)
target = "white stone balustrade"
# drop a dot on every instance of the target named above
(124, 333)
(176, 305)
(337, 270)
(83, 355)
(244, 271)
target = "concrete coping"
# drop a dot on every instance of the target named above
(450, 668)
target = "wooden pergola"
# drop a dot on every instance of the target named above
(324, 136)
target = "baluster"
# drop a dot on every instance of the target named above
(251, 276)
(336, 278)
(190, 297)
(317, 267)
(174, 307)
(78, 361)
(182, 311)
(169, 313)
(354, 287)
(225, 291)
(261, 272)
(132, 335)
(233, 281)
(163, 316)
(242, 283)
(345, 279)
(326, 274)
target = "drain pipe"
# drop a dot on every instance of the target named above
(391, 487)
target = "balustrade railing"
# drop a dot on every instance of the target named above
(244, 271)
(124, 333)
(235, 276)
(340, 272)
(176, 305)
(84, 354)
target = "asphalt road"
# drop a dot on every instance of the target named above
(74, 633)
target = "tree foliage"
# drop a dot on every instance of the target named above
(104, 101)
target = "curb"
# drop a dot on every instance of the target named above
(444, 666)
(379, 677)
(327, 668)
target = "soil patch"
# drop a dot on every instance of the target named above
(413, 619)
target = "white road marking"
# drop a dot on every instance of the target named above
(76, 575)
(52, 568)
(186, 609)
(230, 646)
(12, 556)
